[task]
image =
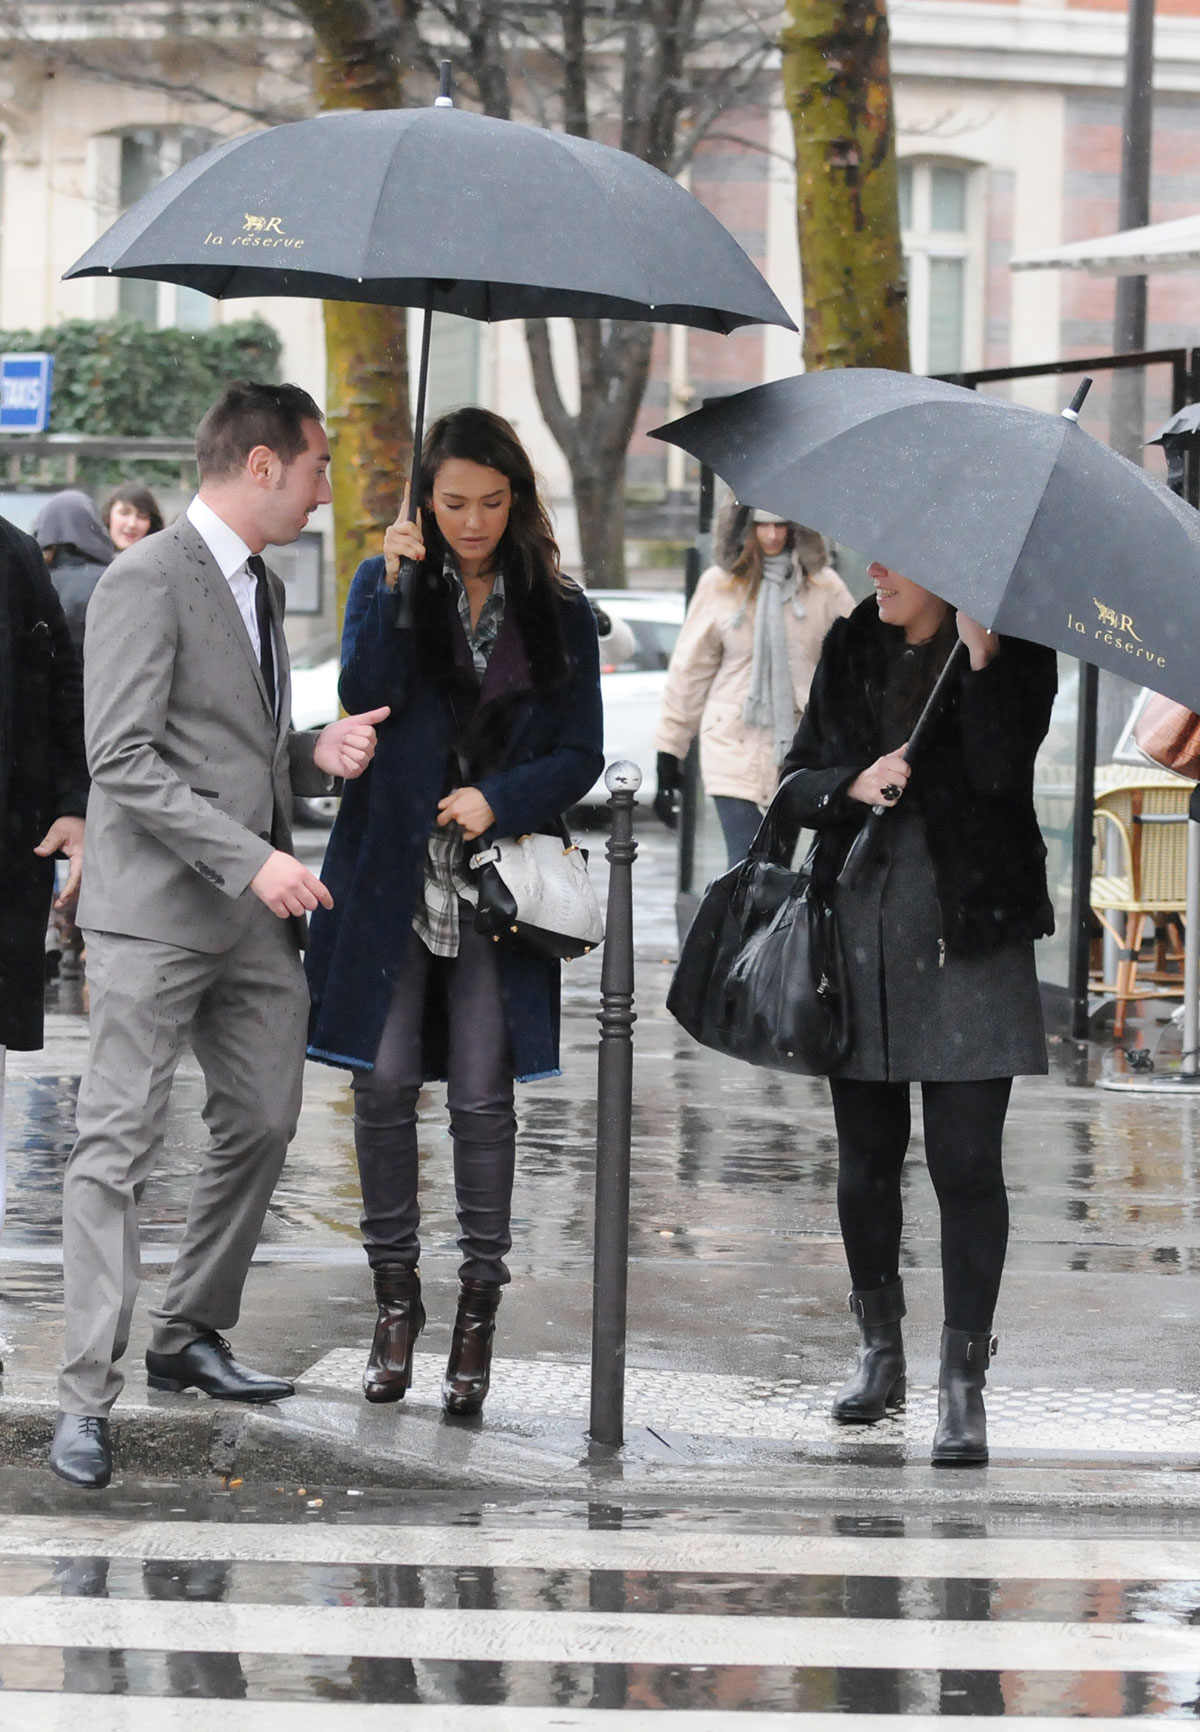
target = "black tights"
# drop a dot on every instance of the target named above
(964, 1124)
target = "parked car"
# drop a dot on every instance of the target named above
(632, 689)
(315, 668)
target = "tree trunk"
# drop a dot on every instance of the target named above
(614, 364)
(366, 386)
(361, 53)
(600, 507)
(837, 86)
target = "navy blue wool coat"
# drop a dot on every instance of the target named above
(532, 738)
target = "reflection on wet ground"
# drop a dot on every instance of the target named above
(733, 1202)
(486, 1610)
(722, 1153)
(628, 1685)
(680, 1592)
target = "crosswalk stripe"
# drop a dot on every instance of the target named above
(638, 1638)
(696, 1551)
(38, 1712)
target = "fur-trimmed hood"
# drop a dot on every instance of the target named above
(810, 551)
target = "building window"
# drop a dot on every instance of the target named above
(942, 250)
(147, 157)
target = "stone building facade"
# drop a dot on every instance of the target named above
(1008, 129)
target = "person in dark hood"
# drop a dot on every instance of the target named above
(43, 785)
(77, 548)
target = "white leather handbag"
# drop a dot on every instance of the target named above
(535, 890)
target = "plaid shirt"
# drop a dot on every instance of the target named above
(444, 886)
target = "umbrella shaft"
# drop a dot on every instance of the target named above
(861, 846)
(408, 571)
(414, 486)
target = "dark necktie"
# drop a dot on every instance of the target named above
(262, 612)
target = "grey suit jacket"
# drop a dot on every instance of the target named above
(192, 774)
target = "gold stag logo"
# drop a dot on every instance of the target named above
(1111, 620)
(1115, 631)
(262, 225)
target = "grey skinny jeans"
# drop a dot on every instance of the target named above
(483, 1124)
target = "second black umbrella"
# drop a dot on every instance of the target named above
(1017, 516)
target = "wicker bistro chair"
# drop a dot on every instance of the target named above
(1140, 872)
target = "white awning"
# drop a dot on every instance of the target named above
(1173, 246)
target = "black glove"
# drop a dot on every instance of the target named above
(669, 775)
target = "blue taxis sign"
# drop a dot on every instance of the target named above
(25, 382)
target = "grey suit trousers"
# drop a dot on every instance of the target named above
(244, 1012)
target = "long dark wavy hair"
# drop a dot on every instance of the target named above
(528, 552)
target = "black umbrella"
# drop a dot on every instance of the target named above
(442, 209)
(1017, 516)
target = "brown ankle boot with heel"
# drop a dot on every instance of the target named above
(468, 1370)
(400, 1320)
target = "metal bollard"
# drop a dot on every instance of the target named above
(614, 1110)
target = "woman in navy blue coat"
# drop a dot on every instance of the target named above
(495, 726)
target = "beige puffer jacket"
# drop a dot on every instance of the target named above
(709, 677)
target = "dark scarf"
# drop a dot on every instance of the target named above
(529, 658)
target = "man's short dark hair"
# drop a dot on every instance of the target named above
(247, 414)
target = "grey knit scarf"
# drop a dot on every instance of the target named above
(770, 702)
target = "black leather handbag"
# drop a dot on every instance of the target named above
(760, 974)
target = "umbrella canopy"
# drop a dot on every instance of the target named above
(437, 207)
(1170, 246)
(1018, 517)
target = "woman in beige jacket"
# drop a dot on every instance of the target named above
(742, 666)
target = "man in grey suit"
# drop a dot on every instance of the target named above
(193, 908)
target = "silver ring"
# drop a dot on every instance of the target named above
(891, 792)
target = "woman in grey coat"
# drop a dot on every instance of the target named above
(937, 936)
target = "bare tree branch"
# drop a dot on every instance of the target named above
(654, 76)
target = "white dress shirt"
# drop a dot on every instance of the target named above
(231, 554)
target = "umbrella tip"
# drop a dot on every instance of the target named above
(1071, 412)
(443, 99)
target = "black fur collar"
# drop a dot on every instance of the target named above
(536, 615)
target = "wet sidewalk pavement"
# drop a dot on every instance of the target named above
(738, 1328)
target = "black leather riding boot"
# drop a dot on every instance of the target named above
(401, 1319)
(878, 1381)
(961, 1436)
(469, 1368)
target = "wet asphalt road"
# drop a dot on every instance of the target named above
(327, 1608)
(281, 1606)
(736, 1263)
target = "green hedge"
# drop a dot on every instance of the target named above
(118, 376)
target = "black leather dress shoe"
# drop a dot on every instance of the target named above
(81, 1452)
(207, 1364)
